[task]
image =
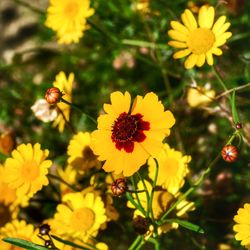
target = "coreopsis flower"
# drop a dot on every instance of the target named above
(26, 170)
(65, 86)
(43, 111)
(200, 96)
(173, 168)
(242, 227)
(68, 18)
(199, 41)
(80, 216)
(16, 229)
(128, 135)
(81, 156)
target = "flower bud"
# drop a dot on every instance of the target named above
(53, 95)
(229, 153)
(238, 126)
(141, 224)
(44, 229)
(119, 186)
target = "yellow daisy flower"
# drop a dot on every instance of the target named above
(127, 136)
(65, 86)
(16, 229)
(173, 168)
(199, 41)
(26, 170)
(200, 96)
(80, 216)
(68, 19)
(242, 228)
(81, 156)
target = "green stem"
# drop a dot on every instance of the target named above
(153, 189)
(130, 198)
(136, 194)
(221, 81)
(139, 43)
(79, 110)
(155, 242)
(147, 194)
(62, 181)
(136, 242)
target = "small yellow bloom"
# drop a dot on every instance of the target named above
(65, 86)
(173, 168)
(200, 96)
(68, 18)
(199, 41)
(81, 156)
(128, 134)
(242, 228)
(16, 229)
(80, 216)
(26, 170)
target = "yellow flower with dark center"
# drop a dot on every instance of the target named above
(16, 229)
(127, 136)
(81, 156)
(68, 18)
(173, 168)
(26, 170)
(65, 86)
(199, 41)
(242, 228)
(80, 216)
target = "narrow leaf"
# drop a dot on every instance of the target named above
(234, 110)
(188, 225)
(24, 244)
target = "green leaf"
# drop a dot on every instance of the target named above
(66, 242)
(234, 110)
(188, 225)
(25, 244)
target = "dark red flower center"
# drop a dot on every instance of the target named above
(128, 129)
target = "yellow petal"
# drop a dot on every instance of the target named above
(176, 44)
(179, 27)
(191, 61)
(120, 102)
(206, 17)
(216, 51)
(176, 35)
(181, 53)
(201, 60)
(209, 57)
(189, 20)
(218, 24)
(222, 29)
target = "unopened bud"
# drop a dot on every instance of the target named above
(53, 95)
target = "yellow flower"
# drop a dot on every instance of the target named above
(242, 228)
(16, 229)
(173, 168)
(68, 19)
(127, 136)
(200, 41)
(65, 86)
(80, 216)
(26, 170)
(200, 96)
(81, 156)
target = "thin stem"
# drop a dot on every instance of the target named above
(147, 194)
(144, 44)
(130, 198)
(79, 110)
(153, 189)
(155, 242)
(136, 194)
(66, 121)
(62, 181)
(220, 79)
(135, 243)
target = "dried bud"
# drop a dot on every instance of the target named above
(141, 225)
(238, 126)
(44, 229)
(53, 95)
(229, 153)
(48, 243)
(119, 186)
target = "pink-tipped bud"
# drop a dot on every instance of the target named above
(53, 95)
(119, 187)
